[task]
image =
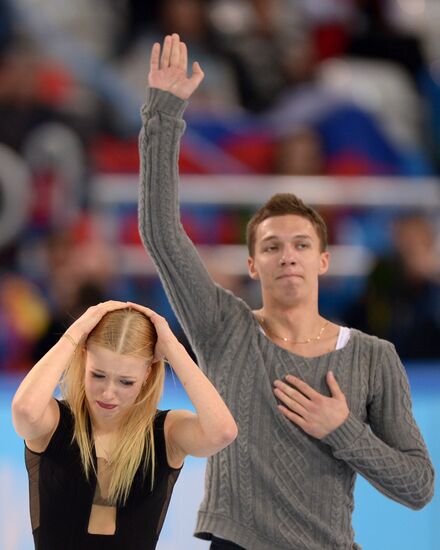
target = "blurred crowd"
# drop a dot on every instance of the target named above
(293, 87)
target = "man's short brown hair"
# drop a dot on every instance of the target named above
(283, 204)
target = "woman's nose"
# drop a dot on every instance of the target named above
(109, 391)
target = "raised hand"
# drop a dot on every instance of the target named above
(82, 327)
(168, 71)
(166, 340)
(317, 414)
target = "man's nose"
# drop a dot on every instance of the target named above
(288, 256)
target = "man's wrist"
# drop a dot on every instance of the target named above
(345, 434)
(165, 102)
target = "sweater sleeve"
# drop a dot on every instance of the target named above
(195, 297)
(389, 451)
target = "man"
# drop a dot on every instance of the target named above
(315, 403)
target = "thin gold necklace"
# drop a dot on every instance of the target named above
(308, 341)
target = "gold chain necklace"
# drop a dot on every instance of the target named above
(311, 339)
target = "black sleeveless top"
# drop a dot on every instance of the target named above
(61, 497)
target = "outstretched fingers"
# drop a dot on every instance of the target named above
(175, 51)
(166, 52)
(169, 66)
(155, 57)
(197, 74)
(183, 62)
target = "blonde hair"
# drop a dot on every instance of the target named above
(127, 332)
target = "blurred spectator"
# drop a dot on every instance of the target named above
(382, 89)
(21, 107)
(24, 317)
(401, 302)
(299, 153)
(97, 26)
(6, 26)
(294, 87)
(81, 267)
(317, 133)
(268, 44)
(190, 19)
(373, 35)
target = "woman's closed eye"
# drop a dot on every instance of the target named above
(127, 382)
(122, 381)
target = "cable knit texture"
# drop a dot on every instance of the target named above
(275, 487)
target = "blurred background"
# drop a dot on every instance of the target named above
(335, 100)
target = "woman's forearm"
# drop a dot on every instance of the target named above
(216, 421)
(36, 390)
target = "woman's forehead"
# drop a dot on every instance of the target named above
(110, 362)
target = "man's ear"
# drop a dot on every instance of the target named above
(253, 273)
(324, 262)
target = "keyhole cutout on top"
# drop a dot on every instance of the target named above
(102, 519)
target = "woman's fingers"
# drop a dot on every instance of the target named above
(101, 309)
(82, 327)
(111, 305)
(145, 310)
(157, 320)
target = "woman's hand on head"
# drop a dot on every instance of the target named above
(169, 66)
(81, 328)
(166, 340)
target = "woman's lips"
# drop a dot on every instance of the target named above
(106, 405)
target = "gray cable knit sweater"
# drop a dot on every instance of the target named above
(275, 487)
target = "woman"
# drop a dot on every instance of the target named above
(102, 463)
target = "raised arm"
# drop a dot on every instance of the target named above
(35, 413)
(390, 451)
(212, 427)
(190, 289)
